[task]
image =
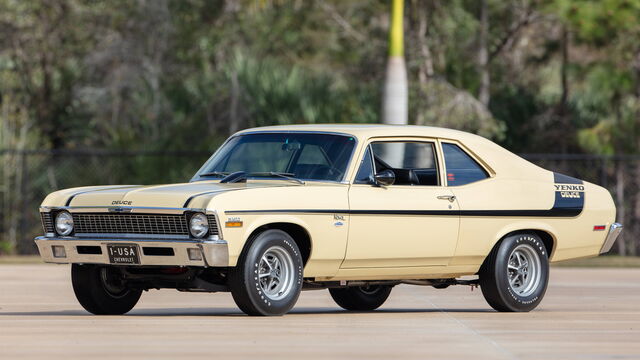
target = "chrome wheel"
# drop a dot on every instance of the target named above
(276, 273)
(524, 270)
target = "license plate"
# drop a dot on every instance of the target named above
(123, 254)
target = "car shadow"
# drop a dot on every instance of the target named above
(231, 312)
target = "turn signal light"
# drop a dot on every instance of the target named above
(58, 251)
(233, 224)
(599, 228)
(194, 254)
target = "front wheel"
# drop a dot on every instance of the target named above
(268, 277)
(361, 298)
(514, 276)
(101, 291)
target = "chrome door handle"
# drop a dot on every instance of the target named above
(451, 198)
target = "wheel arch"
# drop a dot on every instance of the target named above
(299, 234)
(547, 237)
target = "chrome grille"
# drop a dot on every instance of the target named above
(92, 223)
(47, 222)
(213, 224)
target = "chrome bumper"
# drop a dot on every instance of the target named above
(214, 252)
(614, 230)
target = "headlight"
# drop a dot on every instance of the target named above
(198, 225)
(64, 223)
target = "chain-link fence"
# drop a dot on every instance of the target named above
(26, 177)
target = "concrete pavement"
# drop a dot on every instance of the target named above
(586, 314)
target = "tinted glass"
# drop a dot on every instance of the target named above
(365, 171)
(310, 156)
(413, 163)
(405, 155)
(461, 168)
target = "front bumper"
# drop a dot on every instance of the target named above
(614, 230)
(214, 252)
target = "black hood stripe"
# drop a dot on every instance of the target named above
(68, 203)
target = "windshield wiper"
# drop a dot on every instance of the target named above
(214, 173)
(288, 176)
(241, 176)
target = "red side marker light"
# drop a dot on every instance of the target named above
(599, 227)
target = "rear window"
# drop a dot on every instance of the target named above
(461, 168)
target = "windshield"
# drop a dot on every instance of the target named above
(306, 156)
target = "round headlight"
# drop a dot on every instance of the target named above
(198, 225)
(64, 223)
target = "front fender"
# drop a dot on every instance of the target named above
(328, 240)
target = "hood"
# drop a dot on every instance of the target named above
(170, 195)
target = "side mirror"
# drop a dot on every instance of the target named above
(384, 178)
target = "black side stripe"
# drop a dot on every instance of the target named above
(554, 212)
(563, 206)
(564, 179)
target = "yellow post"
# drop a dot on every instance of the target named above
(396, 36)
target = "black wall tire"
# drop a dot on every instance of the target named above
(358, 298)
(100, 291)
(268, 277)
(515, 275)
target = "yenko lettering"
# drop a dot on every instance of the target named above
(569, 187)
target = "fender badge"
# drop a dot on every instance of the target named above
(339, 223)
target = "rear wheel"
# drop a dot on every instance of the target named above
(514, 276)
(101, 290)
(361, 298)
(268, 277)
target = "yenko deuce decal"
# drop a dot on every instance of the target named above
(569, 195)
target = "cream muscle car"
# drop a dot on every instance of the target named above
(356, 209)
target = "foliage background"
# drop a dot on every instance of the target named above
(156, 77)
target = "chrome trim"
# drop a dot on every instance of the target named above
(614, 231)
(215, 252)
(451, 198)
(129, 236)
(133, 209)
(274, 131)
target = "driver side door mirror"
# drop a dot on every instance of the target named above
(384, 178)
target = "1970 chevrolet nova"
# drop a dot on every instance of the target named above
(356, 209)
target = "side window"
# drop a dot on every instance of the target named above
(365, 172)
(413, 163)
(461, 168)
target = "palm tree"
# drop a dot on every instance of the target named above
(395, 98)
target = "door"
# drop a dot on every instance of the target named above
(414, 221)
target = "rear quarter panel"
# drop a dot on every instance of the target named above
(573, 236)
